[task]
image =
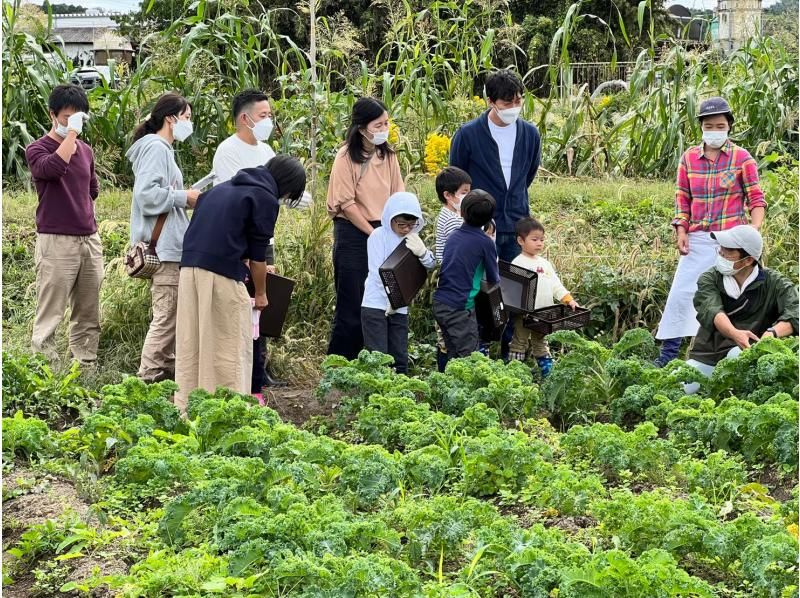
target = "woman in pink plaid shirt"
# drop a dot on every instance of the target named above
(717, 189)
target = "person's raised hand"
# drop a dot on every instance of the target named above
(75, 122)
(415, 245)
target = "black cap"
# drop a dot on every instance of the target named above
(713, 106)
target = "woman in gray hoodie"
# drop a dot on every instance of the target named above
(158, 189)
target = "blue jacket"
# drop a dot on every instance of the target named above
(469, 254)
(232, 222)
(475, 151)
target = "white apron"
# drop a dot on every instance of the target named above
(680, 318)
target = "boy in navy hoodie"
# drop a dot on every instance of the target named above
(469, 255)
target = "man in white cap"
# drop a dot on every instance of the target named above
(717, 188)
(740, 302)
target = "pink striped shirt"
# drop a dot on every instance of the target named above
(719, 194)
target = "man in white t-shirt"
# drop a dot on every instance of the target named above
(252, 117)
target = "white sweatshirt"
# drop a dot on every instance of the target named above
(549, 289)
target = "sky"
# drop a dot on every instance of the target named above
(128, 5)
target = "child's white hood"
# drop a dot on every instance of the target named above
(402, 202)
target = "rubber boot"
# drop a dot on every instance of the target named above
(670, 348)
(441, 360)
(545, 365)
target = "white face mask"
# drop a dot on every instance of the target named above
(379, 138)
(261, 129)
(61, 130)
(727, 267)
(715, 139)
(509, 115)
(456, 205)
(182, 129)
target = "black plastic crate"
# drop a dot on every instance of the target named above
(556, 317)
(279, 297)
(490, 312)
(519, 287)
(402, 275)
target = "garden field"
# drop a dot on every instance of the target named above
(602, 481)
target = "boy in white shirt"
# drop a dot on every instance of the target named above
(530, 236)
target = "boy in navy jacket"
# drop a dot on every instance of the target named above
(469, 255)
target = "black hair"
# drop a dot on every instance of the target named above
(450, 179)
(526, 225)
(478, 207)
(169, 104)
(503, 85)
(728, 116)
(406, 217)
(365, 110)
(68, 96)
(244, 99)
(289, 175)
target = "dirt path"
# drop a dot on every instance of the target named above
(298, 405)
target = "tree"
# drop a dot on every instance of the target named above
(63, 9)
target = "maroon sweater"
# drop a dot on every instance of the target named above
(66, 190)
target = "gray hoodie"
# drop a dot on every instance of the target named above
(157, 189)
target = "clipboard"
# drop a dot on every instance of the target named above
(205, 181)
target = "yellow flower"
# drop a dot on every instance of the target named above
(603, 102)
(437, 153)
(792, 529)
(394, 132)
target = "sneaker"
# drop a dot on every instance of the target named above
(260, 398)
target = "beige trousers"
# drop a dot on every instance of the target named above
(158, 353)
(214, 343)
(69, 269)
(528, 341)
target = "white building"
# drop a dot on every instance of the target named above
(737, 21)
(87, 36)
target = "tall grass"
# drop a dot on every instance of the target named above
(429, 68)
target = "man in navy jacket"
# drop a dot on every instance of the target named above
(501, 153)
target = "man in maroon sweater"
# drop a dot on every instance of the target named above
(69, 256)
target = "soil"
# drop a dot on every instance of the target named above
(49, 498)
(780, 487)
(298, 405)
(46, 497)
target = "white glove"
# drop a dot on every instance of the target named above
(75, 122)
(389, 311)
(415, 245)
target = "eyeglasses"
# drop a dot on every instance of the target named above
(405, 224)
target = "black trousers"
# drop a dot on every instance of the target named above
(459, 328)
(258, 377)
(350, 269)
(387, 334)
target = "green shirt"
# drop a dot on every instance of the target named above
(769, 299)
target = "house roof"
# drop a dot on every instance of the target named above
(78, 35)
(100, 38)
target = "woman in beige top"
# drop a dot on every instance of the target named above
(364, 174)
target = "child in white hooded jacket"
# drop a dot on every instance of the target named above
(385, 329)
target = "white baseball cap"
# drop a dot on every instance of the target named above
(743, 237)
